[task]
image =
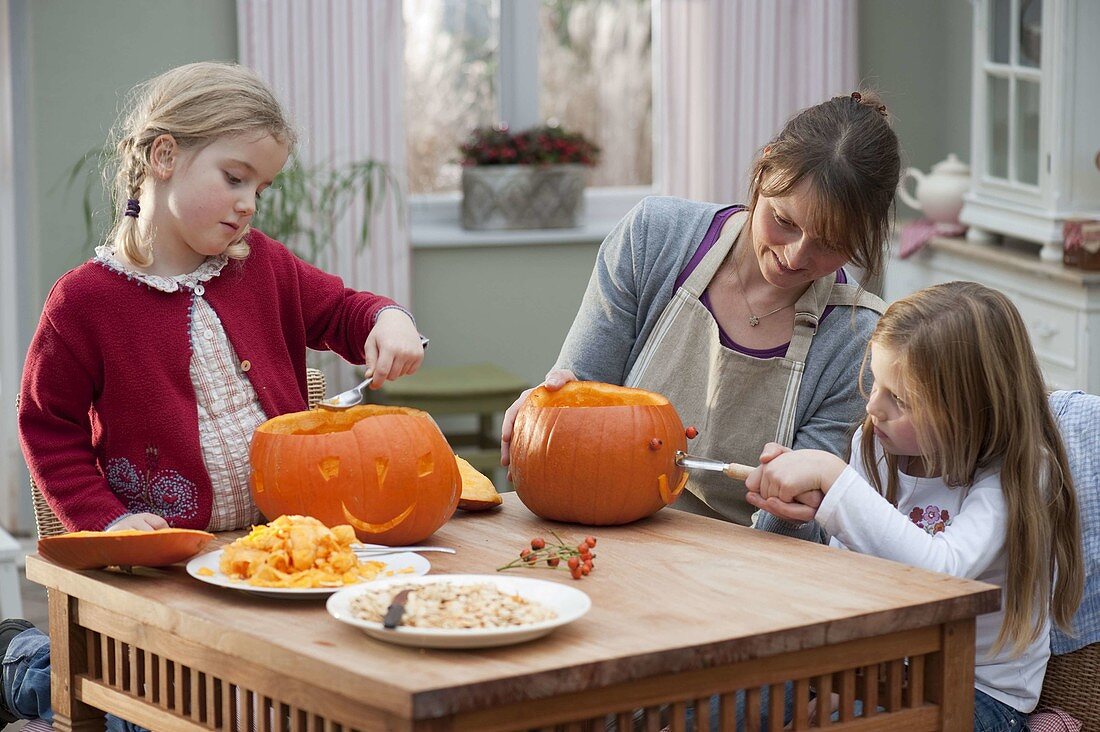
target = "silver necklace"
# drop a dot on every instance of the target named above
(754, 319)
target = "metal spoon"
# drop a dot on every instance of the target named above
(694, 462)
(361, 550)
(347, 399)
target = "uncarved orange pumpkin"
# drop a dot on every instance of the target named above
(597, 454)
(387, 471)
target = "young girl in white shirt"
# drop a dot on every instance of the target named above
(958, 468)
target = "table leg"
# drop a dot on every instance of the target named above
(68, 657)
(949, 675)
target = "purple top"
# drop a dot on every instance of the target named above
(716, 225)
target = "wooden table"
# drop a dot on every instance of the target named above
(683, 608)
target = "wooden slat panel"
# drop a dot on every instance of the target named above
(777, 698)
(653, 719)
(824, 687)
(870, 690)
(228, 694)
(702, 712)
(163, 694)
(106, 659)
(91, 641)
(210, 700)
(624, 722)
(727, 712)
(801, 704)
(752, 709)
(914, 695)
(678, 723)
(847, 690)
(122, 666)
(895, 674)
(197, 685)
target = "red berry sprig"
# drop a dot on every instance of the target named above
(578, 560)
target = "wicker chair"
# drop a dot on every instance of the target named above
(47, 522)
(1072, 681)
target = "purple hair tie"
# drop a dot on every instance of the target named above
(133, 208)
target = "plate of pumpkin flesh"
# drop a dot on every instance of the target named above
(298, 557)
(123, 548)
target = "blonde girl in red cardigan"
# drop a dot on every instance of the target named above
(155, 361)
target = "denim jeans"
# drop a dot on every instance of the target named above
(739, 711)
(26, 679)
(991, 715)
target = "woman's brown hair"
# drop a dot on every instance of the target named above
(847, 151)
(978, 403)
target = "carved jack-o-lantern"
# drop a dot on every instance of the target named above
(598, 454)
(387, 471)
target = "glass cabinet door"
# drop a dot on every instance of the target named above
(1013, 81)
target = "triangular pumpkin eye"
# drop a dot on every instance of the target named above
(329, 467)
(424, 465)
(382, 468)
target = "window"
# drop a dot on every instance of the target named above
(582, 64)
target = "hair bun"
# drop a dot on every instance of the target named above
(869, 100)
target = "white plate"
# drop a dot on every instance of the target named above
(568, 603)
(403, 565)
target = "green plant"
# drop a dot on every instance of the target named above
(304, 205)
(302, 208)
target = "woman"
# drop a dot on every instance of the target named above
(744, 317)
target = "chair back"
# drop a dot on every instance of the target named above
(1072, 680)
(46, 520)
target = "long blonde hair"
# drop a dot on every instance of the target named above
(195, 104)
(978, 402)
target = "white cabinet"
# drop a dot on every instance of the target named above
(1060, 306)
(1035, 126)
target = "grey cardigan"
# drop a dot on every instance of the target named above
(632, 282)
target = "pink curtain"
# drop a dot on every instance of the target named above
(732, 73)
(338, 66)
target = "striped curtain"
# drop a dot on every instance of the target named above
(732, 73)
(338, 67)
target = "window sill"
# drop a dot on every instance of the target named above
(440, 235)
(435, 222)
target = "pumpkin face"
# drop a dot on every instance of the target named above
(597, 454)
(387, 471)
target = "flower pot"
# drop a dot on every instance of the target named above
(523, 196)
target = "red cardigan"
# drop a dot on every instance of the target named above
(108, 418)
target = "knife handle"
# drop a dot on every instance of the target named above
(738, 471)
(396, 611)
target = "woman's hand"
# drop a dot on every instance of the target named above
(791, 484)
(393, 348)
(139, 522)
(554, 380)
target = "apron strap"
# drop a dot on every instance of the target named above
(851, 295)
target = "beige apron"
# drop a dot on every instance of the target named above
(737, 402)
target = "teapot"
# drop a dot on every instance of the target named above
(939, 193)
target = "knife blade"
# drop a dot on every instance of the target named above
(695, 462)
(396, 610)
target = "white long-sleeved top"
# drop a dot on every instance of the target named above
(956, 531)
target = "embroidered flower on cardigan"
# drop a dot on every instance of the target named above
(163, 492)
(932, 519)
